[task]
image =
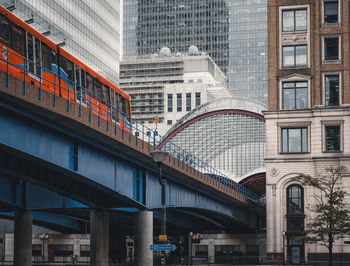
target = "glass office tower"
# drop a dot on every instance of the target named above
(232, 32)
(90, 30)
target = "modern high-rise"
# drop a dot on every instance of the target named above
(308, 119)
(89, 31)
(167, 86)
(232, 32)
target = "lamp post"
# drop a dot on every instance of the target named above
(283, 235)
(43, 237)
(158, 157)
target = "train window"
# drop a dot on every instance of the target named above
(48, 56)
(89, 83)
(30, 52)
(115, 104)
(37, 56)
(105, 94)
(67, 67)
(98, 90)
(4, 30)
(18, 39)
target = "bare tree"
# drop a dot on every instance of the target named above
(331, 219)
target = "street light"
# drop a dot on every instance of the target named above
(43, 237)
(283, 235)
(158, 157)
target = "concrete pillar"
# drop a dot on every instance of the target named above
(143, 233)
(23, 238)
(99, 238)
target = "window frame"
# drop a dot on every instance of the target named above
(302, 200)
(188, 101)
(331, 61)
(328, 123)
(294, 78)
(290, 127)
(179, 102)
(324, 75)
(294, 9)
(294, 56)
(338, 23)
(295, 94)
(170, 98)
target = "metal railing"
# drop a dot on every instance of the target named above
(112, 114)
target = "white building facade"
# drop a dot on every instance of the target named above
(166, 86)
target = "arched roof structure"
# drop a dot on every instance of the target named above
(228, 134)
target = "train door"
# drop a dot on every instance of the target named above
(33, 48)
(80, 91)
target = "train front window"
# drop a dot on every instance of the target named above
(4, 30)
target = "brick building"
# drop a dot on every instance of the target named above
(308, 117)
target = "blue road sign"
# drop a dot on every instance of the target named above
(162, 247)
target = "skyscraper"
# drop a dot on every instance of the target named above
(233, 33)
(89, 31)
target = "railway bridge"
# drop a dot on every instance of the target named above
(61, 166)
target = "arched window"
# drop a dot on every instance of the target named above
(295, 199)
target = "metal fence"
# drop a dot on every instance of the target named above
(111, 114)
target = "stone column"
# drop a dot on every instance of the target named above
(99, 240)
(23, 238)
(143, 233)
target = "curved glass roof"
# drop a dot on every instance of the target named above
(228, 134)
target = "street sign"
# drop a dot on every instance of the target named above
(163, 247)
(163, 238)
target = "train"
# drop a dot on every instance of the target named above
(28, 55)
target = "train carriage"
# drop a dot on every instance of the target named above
(30, 56)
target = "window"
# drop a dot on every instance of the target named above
(198, 99)
(170, 122)
(332, 90)
(63, 250)
(294, 20)
(179, 102)
(4, 30)
(170, 103)
(331, 48)
(84, 250)
(295, 95)
(332, 134)
(294, 56)
(330, 9)
(188, 101)
(294, 140)
(36, 250)
(295, 199)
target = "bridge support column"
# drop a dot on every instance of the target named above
(99, 240)
(143, 233)
(23, 238)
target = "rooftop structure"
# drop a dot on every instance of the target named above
(90, 32)
(233, 33)
(167, 86)
(228, 134)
